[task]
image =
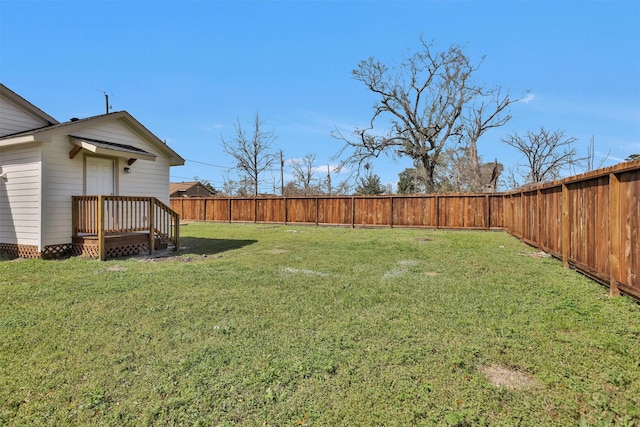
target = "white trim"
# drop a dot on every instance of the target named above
(18, 140)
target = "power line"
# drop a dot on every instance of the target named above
(201, 178)
(209, 164)
(226, 167)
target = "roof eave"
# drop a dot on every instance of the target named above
(25, 139)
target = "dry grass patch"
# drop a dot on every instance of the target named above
(500, 376)
(303, 271)
(276, 251)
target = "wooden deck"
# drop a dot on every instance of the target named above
(115, 226)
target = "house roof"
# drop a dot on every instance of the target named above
(45, 133)
(182, 186)
(111, 148)
(26, 105)
(191, 188)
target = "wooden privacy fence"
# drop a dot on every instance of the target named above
(588, 221)
(466, 211)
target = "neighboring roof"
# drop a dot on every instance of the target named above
(26, 105)
(44, 133)
(182, 186)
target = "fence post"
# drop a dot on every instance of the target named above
(488, 212)
(286, 211)
(614, 234)
(391, 211)
(523, 219)
(539, 219)
(437, 211)
(353, 212)
(204, 214)
(255, 209)
(566, 231)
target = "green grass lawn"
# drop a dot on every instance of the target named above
(265, 325)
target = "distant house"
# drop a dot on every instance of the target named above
(53, 175)
(189, 189)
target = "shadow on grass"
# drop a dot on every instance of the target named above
(204, 246)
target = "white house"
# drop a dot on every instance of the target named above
(45, 163)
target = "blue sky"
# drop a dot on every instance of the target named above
(189, 69)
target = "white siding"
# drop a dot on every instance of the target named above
(20, 195)
(63, 179)
(35, 200)
(14, 120)
(147, 178)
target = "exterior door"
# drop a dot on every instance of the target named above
(100, 177)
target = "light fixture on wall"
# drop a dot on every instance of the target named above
(127, 169)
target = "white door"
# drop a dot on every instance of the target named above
(100, 176)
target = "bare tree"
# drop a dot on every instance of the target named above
(478, 120)
(252, 153)
(547, 154)
(303, 172)
(343, 187)
(591, 153)
(425, 102)
(462, 170)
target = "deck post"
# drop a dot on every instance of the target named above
(102, 251)
(75, 216)
(176, 232)
(152, 224)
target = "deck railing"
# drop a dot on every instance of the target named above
(105, 215)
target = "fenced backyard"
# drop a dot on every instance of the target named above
(259, 320)
(588, 221)
(267, 324)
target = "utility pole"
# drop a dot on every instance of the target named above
(329, 179)
(281, 175)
